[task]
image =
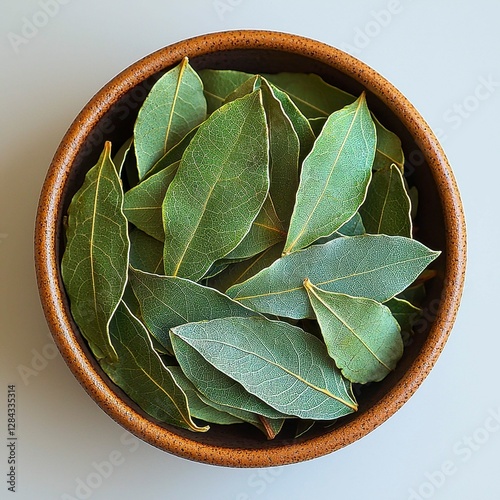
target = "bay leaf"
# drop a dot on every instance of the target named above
(284, 151)
(198, 408)
(405, 314)
(272, 426)
(284, 148)
(387, 207)
(280, 364)
(143, 203)
(334, 176)
(173, 155)
(215, 384)
(371, 266)
(266, 230)
(360, 334)
(389, 149)
(146, 252)
(173, 107)
(219, 83)
(353, 227)
(317, 124)
(311, 94)
(237, 413)
(168, 301)
(300, 123)
(216, 268)
(120, 157)
(304, 426)
(318, 99)
(142, 375)
(95, 260)
(213, 200)
(242, 271)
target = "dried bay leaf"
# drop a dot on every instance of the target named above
(387, 207)
(284, 148)
(143, 376)
(146, 252)
(95, 261)
(120, 157)
(266, 230)
(242, 271)
(168, 301)
(361, 335)
(312, 95)
(284, 151)
(197, 406)
(371, 266)
(334, 177)
(213, 200)
(405, 314)
(286, 367)
(214, 384)
(143, 203)
(353, 227)
(173, 107)
(318, 99)
(173, 155)
(300, 123)
(218, 84)
(389, 149)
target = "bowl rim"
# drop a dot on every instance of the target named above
(47, 266)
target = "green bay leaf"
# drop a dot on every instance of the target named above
(214, 198)
(311, 94)
(198, 407)
(318, 99)
(219, 83)
(173, 107)
(300, 123)
(387, 207)
(266, 230)
(141, 373)
(389, 149)
(95, 261)
(284, 147)
(146, 252)
(334, 176)
(120, 158)
(280, 364)
(143, 203)
(371, 266)
(353, 227)
(168, 301)
(173, 155)
(361, 335)
(238, 272)
(215, 384)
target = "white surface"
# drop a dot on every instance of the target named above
(444, 443)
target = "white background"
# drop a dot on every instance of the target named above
(445, 442)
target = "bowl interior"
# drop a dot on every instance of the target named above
(110, 116)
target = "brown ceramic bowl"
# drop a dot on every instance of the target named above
(110, 116)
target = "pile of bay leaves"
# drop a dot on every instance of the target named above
(247, 256)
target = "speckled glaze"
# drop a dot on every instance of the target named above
(441, 225)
